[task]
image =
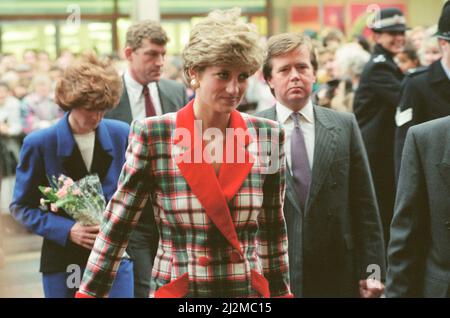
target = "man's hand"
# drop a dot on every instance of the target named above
(370, 288)
(84, 235)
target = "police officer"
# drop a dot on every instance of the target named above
(375, 104)
(425, 94)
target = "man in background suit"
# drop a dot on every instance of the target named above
(419, 249)
(426, 93)
(334, 228)
(146, 94)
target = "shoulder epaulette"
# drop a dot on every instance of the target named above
(379, 58)
(417, 71)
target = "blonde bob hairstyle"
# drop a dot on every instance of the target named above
(223, 39)
(90, 84)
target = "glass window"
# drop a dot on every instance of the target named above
(20, 36)
(87, 36)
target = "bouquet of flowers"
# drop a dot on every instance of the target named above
(82, 200)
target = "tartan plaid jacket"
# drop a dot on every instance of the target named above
(220, 236)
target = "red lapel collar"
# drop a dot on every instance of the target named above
(233, 172)
(213, 192)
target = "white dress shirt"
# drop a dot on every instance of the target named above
(137, 99)
(306, 125)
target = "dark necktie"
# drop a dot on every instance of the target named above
(149, 108)
(299, 161)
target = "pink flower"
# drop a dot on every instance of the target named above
(53, 207)
(47, 190)
(76, 192)
(61, 178)
(61, 193)
(68, 182)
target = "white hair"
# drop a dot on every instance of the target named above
(351, 59)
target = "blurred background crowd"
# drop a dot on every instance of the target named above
(28, 79)
(29, 69)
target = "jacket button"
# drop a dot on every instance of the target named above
(235, 257)
(204, 261)
(448, 225)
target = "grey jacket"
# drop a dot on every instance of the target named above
(419, 249)
(338, 236)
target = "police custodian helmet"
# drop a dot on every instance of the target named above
(389, 20)
(444, 23)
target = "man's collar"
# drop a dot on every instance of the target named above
(134, 88)
(131, 82)
(379, 49)
(446, 69)
(284, 112)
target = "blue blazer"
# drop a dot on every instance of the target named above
(51, 152)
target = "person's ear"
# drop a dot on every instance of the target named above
(192, 73)
(195, 80)
(376, 37)
(269, 81)
(128, 51)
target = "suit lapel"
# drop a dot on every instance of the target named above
(212, 192)
(324, 150)
(167, 104)
(271, 113)
(70, 156)
(72, 161)
(126, 107)
(123, 109)
(444, 165)
(102, 152)
(74, 166)
(291, 194)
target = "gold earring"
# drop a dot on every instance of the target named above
(194, 83)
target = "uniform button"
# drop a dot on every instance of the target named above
(235, 257)
(204, 261)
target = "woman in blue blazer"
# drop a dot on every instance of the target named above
(81, 143)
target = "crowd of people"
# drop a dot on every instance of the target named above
(351, 187)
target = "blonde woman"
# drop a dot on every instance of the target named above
(221, 225)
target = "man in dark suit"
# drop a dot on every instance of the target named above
(334, 229)
(425, 94)
(146, 94)
(375, 103)
(419, 250)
